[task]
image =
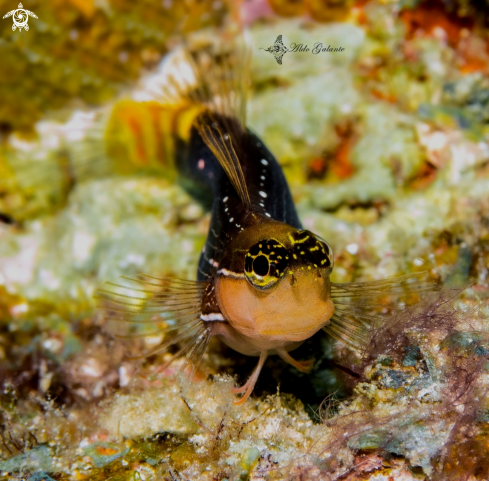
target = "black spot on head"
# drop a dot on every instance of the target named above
(255, 250)
(311, 249)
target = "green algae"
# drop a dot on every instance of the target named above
(39, 458)
(369, 441)
(467, 343)
(413, 355)
(40, 476)
(248, 462)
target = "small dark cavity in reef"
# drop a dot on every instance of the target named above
(25, 378)
(271, 83)
(6, 219)
(380, 205)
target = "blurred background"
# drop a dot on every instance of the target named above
(384, 145)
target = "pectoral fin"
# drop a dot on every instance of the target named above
(172, 308)
(361, 307)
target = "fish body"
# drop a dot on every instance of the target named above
(263, 282)
(260, 266)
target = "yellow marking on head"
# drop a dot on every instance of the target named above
(300, 241)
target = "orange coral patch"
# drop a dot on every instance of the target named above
(105, 451)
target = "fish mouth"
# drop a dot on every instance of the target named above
(296, 335)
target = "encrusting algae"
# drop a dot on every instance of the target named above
(393, 140)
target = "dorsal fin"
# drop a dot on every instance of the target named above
(217, 80)
(221, 145)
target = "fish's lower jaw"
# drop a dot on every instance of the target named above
(273, 339)
(250, 346)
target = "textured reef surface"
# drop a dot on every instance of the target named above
(385, 147)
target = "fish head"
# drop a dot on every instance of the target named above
(273, 284)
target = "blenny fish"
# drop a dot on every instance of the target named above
(263, 281)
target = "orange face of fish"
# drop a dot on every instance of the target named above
(274, 286)
(289, 313)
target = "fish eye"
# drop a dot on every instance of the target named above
(265, 263)
(261, 265)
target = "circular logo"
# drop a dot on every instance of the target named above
(20, 19)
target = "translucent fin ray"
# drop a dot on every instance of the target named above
(360, 307)
(185, 336)
(402, 285)
(221, 146)
(195, 355)
(172, 306)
